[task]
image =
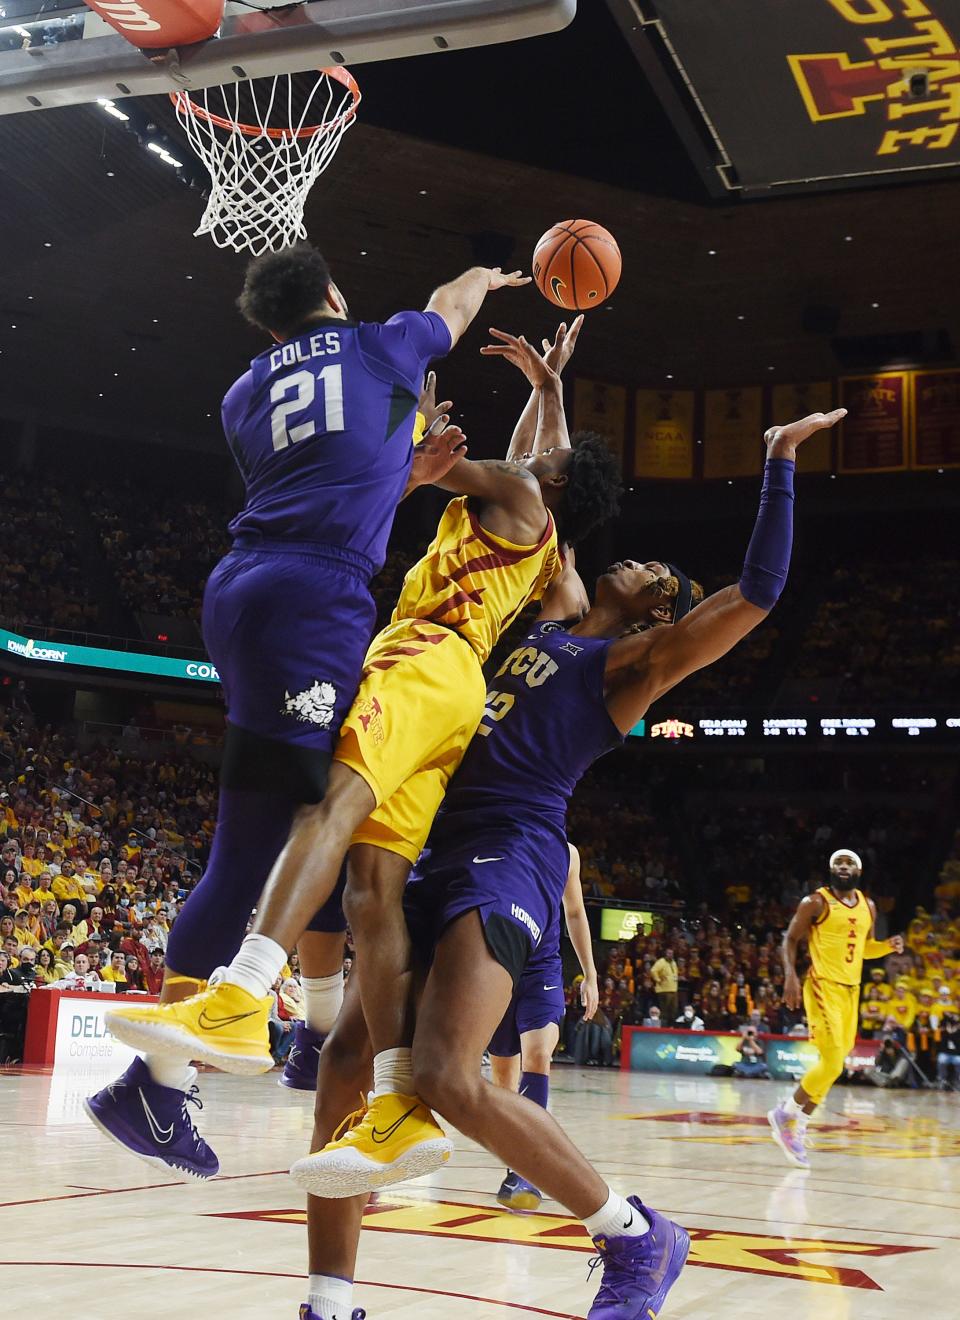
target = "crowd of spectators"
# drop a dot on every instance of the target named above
(98, 851)
(876, 628)
(41, 581)
(723, 973)
(161, 555)
(161, 552)
(625, 851)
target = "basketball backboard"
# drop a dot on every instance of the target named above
(58, 52)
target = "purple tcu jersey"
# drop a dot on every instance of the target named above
(498, 844)
(545, 724)
(321, 429)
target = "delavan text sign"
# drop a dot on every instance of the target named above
(813, 90)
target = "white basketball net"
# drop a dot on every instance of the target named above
(264, 149)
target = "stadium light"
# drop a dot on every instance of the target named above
(112, 109)
(164, 155)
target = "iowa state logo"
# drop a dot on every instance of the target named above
(904, 70)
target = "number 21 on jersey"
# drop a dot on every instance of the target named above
(295, 394)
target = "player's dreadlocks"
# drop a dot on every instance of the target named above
(282, 289)
(594, 486)
(671, 588)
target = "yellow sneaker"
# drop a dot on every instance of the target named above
(396, 1138)
(225, 1026)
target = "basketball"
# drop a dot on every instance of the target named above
(577, 264)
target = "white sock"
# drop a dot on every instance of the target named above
(322, 998)
(257, 965)
(331, 1298)
(796, 1112)
(616, 1218)
(393, 1072)
(174, 1071)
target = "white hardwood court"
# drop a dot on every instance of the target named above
(872, 1231)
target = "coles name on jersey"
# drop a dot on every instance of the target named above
(321, 429)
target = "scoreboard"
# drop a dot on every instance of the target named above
(942, 728)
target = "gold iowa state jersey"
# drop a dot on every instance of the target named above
(838, 939)
(475, 582)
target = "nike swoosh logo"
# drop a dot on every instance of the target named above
(161, 1135)
(380, 1137)
(213, 1024)
(480, 860)
(629, 1223)
(551, 987)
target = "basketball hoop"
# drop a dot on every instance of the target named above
(264, 144)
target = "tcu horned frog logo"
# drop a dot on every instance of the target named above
(904, 71)
(312, 706)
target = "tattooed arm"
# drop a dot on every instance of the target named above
(508, 497)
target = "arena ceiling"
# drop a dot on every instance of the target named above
(114, 318)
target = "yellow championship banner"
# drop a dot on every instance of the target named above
(935, 434)
(601, 407)
(664, 434)
(788, 403)
(873, 435)
(733, 433)
(800, 1258)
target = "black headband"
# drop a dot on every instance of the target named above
(684, 596)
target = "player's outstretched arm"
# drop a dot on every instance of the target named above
(804, 919)
(536, 368)
(644, 666)
(459, 301)
(498, 484)
(578, 928)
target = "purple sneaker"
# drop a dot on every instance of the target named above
(638, 1272)
(517, 1194)
(789, 1136)
(152, 1122)
(307, 1314)
(300, 1069)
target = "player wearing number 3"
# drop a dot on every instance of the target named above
(837, 922)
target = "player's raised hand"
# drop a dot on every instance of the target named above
(589, 997)
(428, 405)
(515, 350)
(440, 450)
(497, 280)
(784, 441)
(559, 353)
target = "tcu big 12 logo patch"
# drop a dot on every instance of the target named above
(315, 705)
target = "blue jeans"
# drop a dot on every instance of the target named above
(750, 1068)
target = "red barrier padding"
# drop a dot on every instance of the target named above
(154, 24)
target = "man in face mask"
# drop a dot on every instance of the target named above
(837, 922)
